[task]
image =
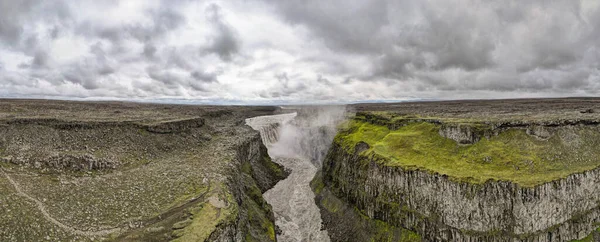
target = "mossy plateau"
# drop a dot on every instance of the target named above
(511, 155)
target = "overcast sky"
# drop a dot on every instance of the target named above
(299, 51)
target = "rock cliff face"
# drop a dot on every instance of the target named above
(58, 145)
(254, 174)
(440, 208)
(459, 133)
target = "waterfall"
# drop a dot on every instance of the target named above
(269, 133)
(269, 126)
(298, 141)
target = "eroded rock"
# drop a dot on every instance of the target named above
(463, 134)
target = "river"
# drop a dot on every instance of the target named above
(292, 199)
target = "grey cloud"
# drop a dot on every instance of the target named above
(163, 20)
(90, 71)
(40, 59)
(354, 27)
(322, 47)
(173, 80)
(405, 39)
(164, 76)
(14, 15)
(283, 78)
(10, 19)
(166, 19)
(323, 80)
(447, 37)
(55, 32)
(225, 43)
(149, 50)
(286, 86)
(204, 76)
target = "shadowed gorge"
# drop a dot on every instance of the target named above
(302, 138)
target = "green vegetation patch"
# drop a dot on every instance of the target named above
(382, 231)
(511, 155)
(220, 208)
(590, 238)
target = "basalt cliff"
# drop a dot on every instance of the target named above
(446, 172)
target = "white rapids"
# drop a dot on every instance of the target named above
(292, 199)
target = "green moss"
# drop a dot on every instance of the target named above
(192, 190)
(143, 132)
(512, 155)
(382, 231)
(247, 168)
(260, 226)
(589, 238)
(277, 170)
(206, 218)
(332, 205)
(317, 185)
(270, 229)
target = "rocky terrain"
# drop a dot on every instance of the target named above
(503, 170)
(78, 171)
(497, 170)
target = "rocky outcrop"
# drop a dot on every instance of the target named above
(441, 209)
(253, 174)
(462, 134)
(263, 170)
(175, 126)
(58, 145)
(171, 126)
(346, 223)
(541, 132)
(85, 162)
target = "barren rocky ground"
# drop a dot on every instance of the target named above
(493, 110)
(124, 171)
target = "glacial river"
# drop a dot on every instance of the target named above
(296, 213)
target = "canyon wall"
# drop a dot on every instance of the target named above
(440, 208)
(253, 174)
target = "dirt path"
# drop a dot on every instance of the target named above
(173, 215)
(47, 216)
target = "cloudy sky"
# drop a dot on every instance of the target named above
(254, 51)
